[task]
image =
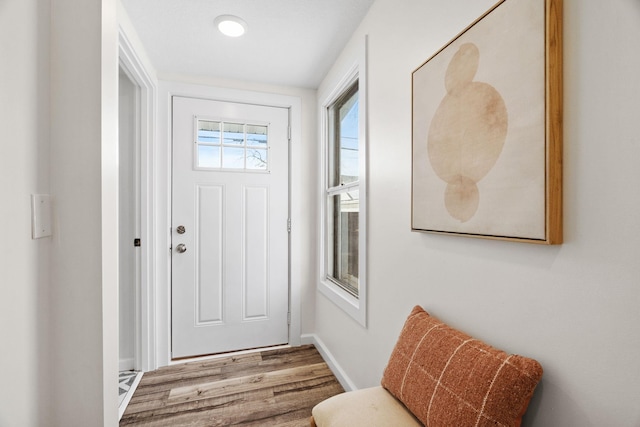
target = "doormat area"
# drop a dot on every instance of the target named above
(128, 381)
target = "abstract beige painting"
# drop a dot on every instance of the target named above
(486, 157)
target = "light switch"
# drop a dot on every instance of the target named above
(40, 215)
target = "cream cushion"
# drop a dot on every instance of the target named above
(369, 407)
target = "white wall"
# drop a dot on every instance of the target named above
(58, 305)
(24, 170)
(573, 307)
(84, 178)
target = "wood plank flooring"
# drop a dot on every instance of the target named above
(268, 388)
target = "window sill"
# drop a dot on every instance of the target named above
(354, 307)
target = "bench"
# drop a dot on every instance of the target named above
(438, 376)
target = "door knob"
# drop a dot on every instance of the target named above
(181, 248)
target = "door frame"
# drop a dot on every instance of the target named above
(166, 91)
(145, 343)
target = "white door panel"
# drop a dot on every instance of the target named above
(230, 287)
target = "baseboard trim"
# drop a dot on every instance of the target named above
(331, 361)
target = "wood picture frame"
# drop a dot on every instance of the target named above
(487, 128)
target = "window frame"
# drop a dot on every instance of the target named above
(335, 188)
(354, 306)
(245, 146)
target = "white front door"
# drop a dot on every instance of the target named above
(230, 205)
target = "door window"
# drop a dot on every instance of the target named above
(224, 145)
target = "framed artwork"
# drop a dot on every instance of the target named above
(487, 128)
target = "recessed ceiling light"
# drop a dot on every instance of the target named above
(230, 25)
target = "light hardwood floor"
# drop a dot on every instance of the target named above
(268, 388)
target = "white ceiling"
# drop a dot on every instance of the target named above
(289, 42)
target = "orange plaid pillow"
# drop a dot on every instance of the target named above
(447, 378)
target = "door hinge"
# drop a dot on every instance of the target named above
(288, 225)
(288, 318)
(289, 133)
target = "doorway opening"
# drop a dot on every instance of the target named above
(137, 193)
(128, 220)
(129, 240)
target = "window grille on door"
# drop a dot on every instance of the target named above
(224, 145)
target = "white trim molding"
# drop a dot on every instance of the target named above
(145, 328)
(356, 307)
(331, 361)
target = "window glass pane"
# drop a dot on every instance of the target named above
(208, 156)
(257, 135)
(233, 158)
(349, 140)
(345, 208)
(343, 144)
(239, 150)
(208, 132)
(256, 159)
(233, 133)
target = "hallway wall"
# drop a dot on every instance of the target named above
(24, 170)
(83, 300)
(573, 307)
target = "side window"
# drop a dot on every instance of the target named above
(343, 194)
